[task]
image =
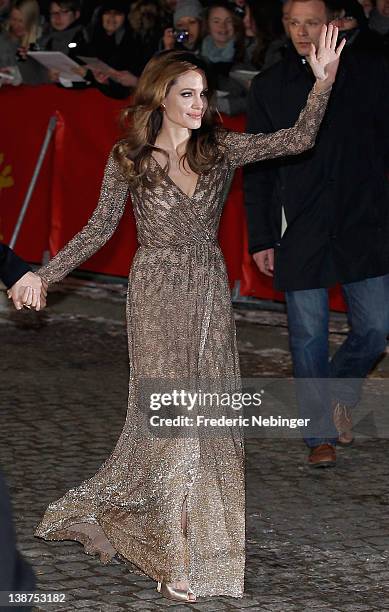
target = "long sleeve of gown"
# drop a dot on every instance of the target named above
(98, 230)
(243, 148)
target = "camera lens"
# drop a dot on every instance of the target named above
(181, 35)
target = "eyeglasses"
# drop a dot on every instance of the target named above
(61, 12)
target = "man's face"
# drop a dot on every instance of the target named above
(61, 18)
(383, 7)
(306, 20)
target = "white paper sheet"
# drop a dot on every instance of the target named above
(55, 60)
(95, 63)
(6, 77)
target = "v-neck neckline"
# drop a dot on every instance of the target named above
(178, 188)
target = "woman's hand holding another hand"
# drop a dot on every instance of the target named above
(30, 291)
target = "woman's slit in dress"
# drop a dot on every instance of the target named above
(184, 517)
(184, 584)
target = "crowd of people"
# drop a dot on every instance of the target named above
(237, 38)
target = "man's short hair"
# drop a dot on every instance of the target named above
(329, 4)
(68, 5)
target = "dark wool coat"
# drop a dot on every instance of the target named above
(335, 196)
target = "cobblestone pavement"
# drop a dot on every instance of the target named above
(316, 540)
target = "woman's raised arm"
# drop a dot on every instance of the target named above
(246, 148)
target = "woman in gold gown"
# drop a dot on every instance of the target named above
(174, 507)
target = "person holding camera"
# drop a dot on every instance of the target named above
(186, 33)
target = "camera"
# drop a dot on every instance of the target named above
(181, 36)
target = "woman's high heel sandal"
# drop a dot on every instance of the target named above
(177, 594)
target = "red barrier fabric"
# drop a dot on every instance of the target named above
(68, 186)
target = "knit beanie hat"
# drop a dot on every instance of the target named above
(187, 8)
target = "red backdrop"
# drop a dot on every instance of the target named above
(68, 186)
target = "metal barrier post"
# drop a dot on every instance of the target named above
(31, 187)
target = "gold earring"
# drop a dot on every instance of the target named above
(163, 107)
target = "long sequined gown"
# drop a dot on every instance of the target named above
(180, 323)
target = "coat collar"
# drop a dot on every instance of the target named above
(295, 66)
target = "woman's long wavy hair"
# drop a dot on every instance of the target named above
(267, 18)
(144, 120)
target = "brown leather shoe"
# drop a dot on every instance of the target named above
(343, 423)
(321, 456)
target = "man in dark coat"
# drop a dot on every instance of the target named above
(322, 218)
(15, 573)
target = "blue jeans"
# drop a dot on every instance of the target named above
(341, 377)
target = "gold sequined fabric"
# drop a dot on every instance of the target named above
(180, 324)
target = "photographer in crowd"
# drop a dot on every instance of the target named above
(187, 30)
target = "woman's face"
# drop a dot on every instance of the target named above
(367, 6)
(149, 16)
(383, 7)
(17, 26)
(192, 25)
(112, 21)
(221, 26)
(345, 22)
(249, 28)
(186, 102)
